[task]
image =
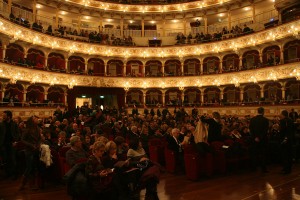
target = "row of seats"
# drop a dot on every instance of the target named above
(226, 156)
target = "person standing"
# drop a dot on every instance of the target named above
(32, 141)
(215, 127)
(287, 130)
(259, 126)
(293, 115)
(9, 136)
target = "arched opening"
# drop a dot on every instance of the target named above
(154, 97)
(272, 93)
(211, 96)
(271, 56)
(76, 65)
(36, 58)
(153, 68)
(134, 97)
(292, 51)
(115, 68)
(15, 55)
(35, 95)
(192, 97)
(96, 67)
(230, 63)
(292, 92)
(231, 96)
(251, 94)
(134, 68)
(173, 97)
(251, 60)
(56, 62)
(13, 95)
(173, 68)
(211, 65)
(191, 67)
(56, 95)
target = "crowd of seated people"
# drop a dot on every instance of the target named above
(26, 62)
(236, 31)
(86, 133)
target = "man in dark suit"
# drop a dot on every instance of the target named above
(9, 136)
(133, 133)
(287, 130)
(176, 146)
(259, 126)
(293, 115)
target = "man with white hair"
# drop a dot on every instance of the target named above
(133, 132)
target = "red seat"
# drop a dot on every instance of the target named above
(219, 160)
(232, 157)
(156, 147)
(170, 160)
(196, 163)
(64, 167)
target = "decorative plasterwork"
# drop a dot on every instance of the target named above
(179, 7)
(17, 32)
(15, 73)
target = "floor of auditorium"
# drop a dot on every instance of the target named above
(238, 185)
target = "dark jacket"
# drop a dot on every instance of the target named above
(259, 127)
(287, 130)
(14, 131)
(214, 130)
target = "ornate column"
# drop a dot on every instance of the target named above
(46, 93)
(253, 13)
(143, 28)
(126, 91)
(100, 23)
(184, 26)
(66, 65)
(56, 18)
(34, 10)
(221, 93)
(163, 30)
(144, 69)
(46, 60)
(202, 96)
(4, 51)
(9, 5)
(229, 20)
(279, 17)
(79, 24)
(85, 66)
(221, 64)
(163, 68)
(182, 67)
(105, 68)
(25, 92)
(262, 90)
(144, 96)
(3, 90)
(182, 94)
(66, 96)
(261, 57)
(122, 27)
(205, 24)
(201, 65)
(281, 55)
(240, 62)
(283, 89)
(241, 94)
(124, 69)
(163, 93)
